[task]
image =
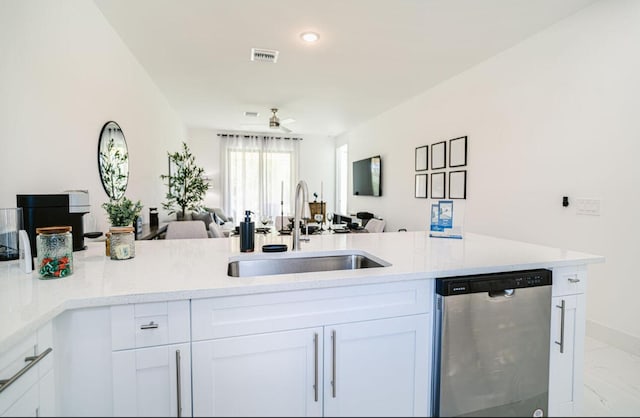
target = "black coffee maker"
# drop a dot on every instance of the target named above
(65, 209)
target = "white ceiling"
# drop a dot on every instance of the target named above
(372, 54)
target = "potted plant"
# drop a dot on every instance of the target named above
(120, 244)
(186, 182)
(122, 212)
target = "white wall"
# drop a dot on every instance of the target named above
(64, 72)
(555, 115)
(317, 167)
(205, 146)
(316, 164)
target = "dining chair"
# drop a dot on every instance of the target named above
(186, 229)
(375, 225)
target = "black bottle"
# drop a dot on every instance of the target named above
(247, 233)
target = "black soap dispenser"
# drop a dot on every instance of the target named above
(247, 229)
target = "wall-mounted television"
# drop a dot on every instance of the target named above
(367, 177)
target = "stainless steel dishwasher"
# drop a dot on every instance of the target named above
(491, 355)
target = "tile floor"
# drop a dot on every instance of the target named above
(611, 381)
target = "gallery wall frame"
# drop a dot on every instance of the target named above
(438, 183)
(422, 158)
(458, 152)
(438, 155)
(421, 186)
(458, 184)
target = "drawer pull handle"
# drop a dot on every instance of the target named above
(178, 384)
(150, 325)
(33, 360)
(334, 382)
(315, 360)
(563, 308)
(574, 280)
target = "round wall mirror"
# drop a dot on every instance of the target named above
(113, 160)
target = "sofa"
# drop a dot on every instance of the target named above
(216, 222)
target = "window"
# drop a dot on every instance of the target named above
(259, 174)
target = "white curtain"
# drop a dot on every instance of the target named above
(259, 175)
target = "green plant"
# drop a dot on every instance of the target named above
(122, 212)
(186, 182)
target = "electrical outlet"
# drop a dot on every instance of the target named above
(588, 207)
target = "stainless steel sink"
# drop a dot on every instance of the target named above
(302, 264)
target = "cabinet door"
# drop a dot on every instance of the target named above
(566, 355)
(152, 381)
(47, 395)
(25, 406)
(378, 368)
(273, 374)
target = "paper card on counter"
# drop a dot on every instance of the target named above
(447, 217)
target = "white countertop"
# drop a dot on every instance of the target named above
(189, 269)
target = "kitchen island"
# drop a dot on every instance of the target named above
(188, 279)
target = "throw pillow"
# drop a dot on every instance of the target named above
(217, 219)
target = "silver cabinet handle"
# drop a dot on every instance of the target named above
(33, 360)
(573, 280)
(333, 365)
(150, 325)
(562, 312)
(178, 385)
(315, 382)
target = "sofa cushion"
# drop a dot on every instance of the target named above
(219, 213)
(202, 216)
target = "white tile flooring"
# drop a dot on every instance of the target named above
(611, 381)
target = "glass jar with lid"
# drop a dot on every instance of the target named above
(54, 248)
(122, 242)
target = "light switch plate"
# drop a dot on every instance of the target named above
(588, 207)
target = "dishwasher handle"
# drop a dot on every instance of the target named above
(507, 293)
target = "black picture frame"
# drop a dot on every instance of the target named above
(458, 152)
(421, 186)
(439, 155)
(422, 158)
(438, 185)
(458, 184)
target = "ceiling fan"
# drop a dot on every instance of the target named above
(276, 123)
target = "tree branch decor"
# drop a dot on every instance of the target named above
(186, 182)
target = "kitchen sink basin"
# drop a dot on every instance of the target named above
(302, 264)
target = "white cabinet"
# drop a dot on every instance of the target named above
(272, 374)
(122, 360)
(566, 361)
(154, 381)
(304, 353)
(377, 368)
(151, 361)
(373, 368)
(26, 374)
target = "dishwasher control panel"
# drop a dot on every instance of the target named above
(493, 282)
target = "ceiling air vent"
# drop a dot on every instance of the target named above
(266, 55)
(251, 114)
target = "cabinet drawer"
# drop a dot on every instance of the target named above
(26, 352)
(252, 314)
(569, 280)
(148, 324)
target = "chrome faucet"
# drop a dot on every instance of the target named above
(300, 210)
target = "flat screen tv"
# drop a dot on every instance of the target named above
(367, 176)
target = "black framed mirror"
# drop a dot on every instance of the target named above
(113, 160)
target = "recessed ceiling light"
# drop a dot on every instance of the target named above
(310, 37)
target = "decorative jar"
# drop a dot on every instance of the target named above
(122, 243)
(54, 248)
